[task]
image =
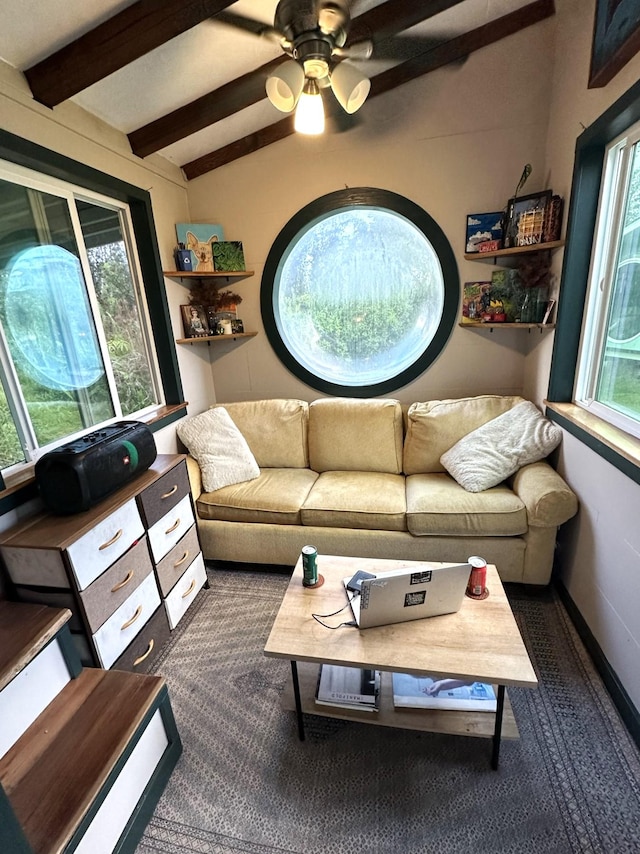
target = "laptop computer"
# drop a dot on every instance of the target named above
(424, 590)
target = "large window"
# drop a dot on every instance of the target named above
(360, 292)
(596, 364)
(83, 341)
(608, 381)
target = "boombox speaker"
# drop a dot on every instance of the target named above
(75, 476)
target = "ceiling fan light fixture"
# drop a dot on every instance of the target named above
(310, 111)
(285, 85)
(350, 86)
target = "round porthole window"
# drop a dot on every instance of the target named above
(360, 292)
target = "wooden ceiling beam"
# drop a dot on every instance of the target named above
(383, 21)
(455, 49)
(125, 37)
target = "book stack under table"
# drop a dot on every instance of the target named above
(348, 687)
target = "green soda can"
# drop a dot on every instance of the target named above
(309, 566)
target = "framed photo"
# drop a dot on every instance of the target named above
(228, 256)
(194, 319)
(525, 219)
(616, 39)
(483, 228)
(197, 237)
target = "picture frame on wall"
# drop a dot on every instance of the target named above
(616, 39)
(194, 320)
(525, 219)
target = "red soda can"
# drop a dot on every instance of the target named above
(478, 576)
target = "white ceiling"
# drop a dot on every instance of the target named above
(192, 64)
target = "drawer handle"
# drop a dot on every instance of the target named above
(175, 525)
(132, 620)
(110, 542)
(145, 654)
(124, 581)
(191, 586)
(182, 559)
(171, 492)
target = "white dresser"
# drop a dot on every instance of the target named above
(127, 569)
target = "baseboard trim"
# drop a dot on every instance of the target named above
(621, 699)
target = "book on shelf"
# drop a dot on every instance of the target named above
(348, 687)
(426, 692)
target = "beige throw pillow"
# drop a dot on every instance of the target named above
(220, 449)
(497, 449)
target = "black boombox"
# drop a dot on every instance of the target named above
(75, 476)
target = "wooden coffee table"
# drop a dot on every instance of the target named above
(481, 642)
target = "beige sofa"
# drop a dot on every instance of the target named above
(364, 478)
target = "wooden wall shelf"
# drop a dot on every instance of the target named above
(480, 325)
(517, 250)
(186, 275)
(217, 338)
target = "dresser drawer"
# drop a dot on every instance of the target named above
(178, 560)
(172, 527)
(185, 591)
(143, 651)
(91, 554)
(116, 584)
(114, 636)
(163, 495)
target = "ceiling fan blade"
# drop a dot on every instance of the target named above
(403, 47)
(249, 25)
(358, 50)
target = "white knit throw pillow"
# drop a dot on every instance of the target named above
(497, 449)
(219, 447)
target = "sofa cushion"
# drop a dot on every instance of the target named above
(275, 430)
(275, 498)
(355, 435)
(493, 452)
(357, 499)
(219, 447)
(437, 505)
(435, 426)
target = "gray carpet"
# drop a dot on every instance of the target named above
(246, 785)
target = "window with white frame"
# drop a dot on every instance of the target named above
(608, 376)
(75, 345)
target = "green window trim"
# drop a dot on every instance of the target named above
(583, 210)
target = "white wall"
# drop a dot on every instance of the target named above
(72, 132)
(599, 550)
(455, 142)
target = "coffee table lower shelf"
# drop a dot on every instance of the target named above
(477, 724)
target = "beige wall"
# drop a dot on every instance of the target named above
(454, 142)
(72, 132)
(600, 549)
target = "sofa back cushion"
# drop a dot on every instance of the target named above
(355, 435)
(275, 430)
(435, 426)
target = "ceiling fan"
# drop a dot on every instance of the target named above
(313, 33)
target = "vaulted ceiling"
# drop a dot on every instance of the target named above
(179, 78)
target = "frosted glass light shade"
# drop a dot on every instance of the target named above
(285, 85)
(350, 86)
(310, 111)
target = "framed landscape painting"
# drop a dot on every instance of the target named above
(616, 39)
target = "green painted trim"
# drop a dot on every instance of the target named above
(156, 785)
(69, 651)
(12, 838)
(168, 419)
(367, 197)
(583, 207)
(603, 450)
(621, 699)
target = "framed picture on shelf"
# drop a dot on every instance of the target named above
(484, 232)
(228, 256)
(197, 237)
(616, 39)
(194, 320)
(525, 219)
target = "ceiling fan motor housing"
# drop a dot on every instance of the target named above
(293, 18)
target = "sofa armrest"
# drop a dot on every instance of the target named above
(548, 499)
(195, 478)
